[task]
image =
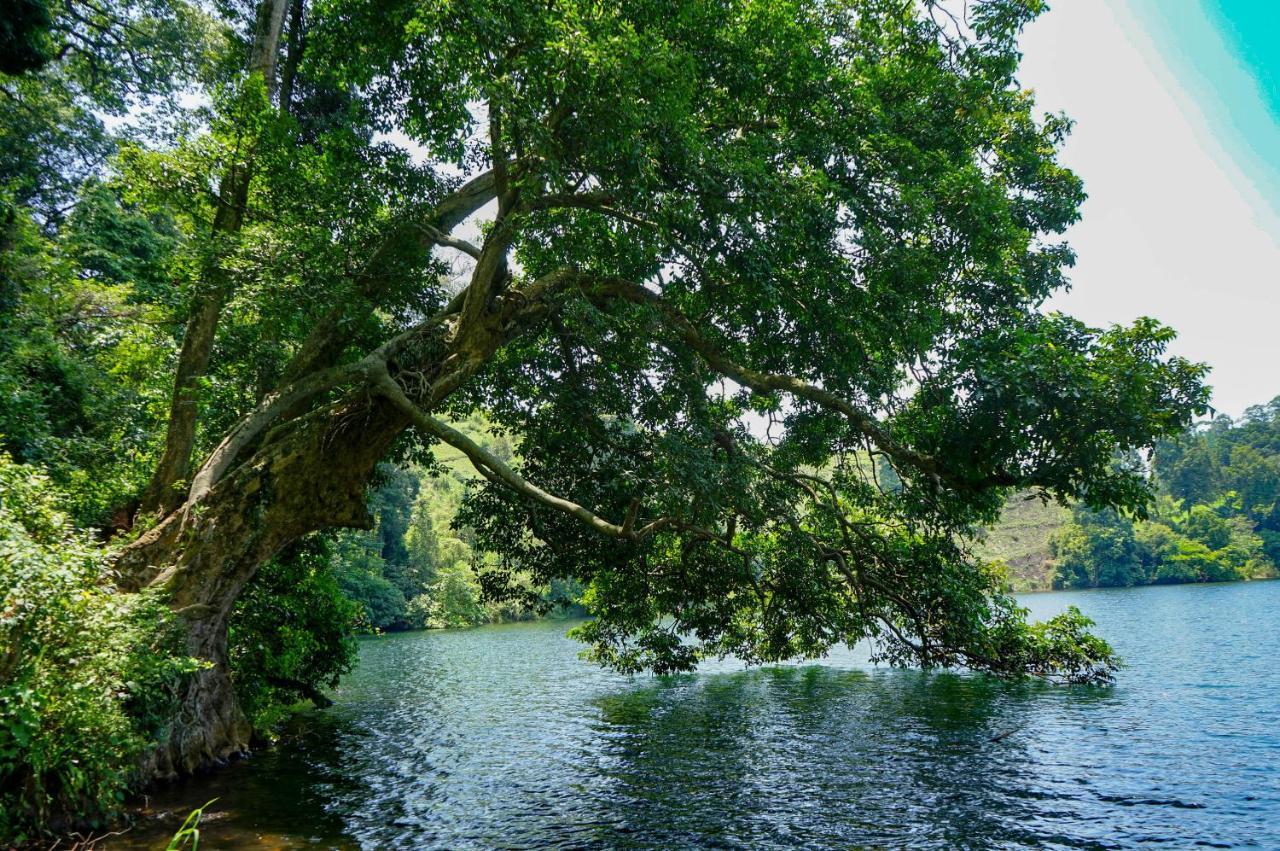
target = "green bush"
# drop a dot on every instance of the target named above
(290, 635)
(381, 604)
(88, 677)
(1204, 543)
(453, 601)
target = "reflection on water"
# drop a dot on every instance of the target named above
(501, 738)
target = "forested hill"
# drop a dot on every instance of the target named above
(1216, 517)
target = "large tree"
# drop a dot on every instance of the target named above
(755, 286)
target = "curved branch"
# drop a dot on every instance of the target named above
(256, 421)
(441, 238)
(771, 382)
(278, 403)
(496, 470)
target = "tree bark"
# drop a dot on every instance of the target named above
(266, 41)
(310, 475)
(165, 492)
(309, 472)
(293, 55)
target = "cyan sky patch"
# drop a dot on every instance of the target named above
(1226, 54)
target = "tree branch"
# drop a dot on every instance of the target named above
(770, 382)
(441, 238)
(276, 404)
(325, 341)
(495, 470)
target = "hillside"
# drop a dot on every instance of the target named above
(1021, 540)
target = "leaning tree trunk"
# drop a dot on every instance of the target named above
(310, 475)
(164, 492)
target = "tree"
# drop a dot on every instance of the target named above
(68, 64)
(1255, 480)
(838, 217)
(1098, 548)
(214, 284)
(24, 36)
(1204, 543)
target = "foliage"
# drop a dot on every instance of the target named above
(24, 36)
(78, 63)
(453, 600)
(88, 678)
(84, 339)
(291, 634)
(1216, 520)
(417, 568)
(626, 234)
(1107, 549)
(865, 265)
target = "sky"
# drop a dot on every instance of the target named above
(1177, 137)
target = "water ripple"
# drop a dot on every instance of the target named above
(501, 738)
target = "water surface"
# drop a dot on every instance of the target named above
(500, 737)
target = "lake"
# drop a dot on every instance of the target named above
(500, 737)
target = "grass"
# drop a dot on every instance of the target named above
(189, 833)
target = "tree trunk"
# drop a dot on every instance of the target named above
(310, 475)
(293, 55)
(166, 490)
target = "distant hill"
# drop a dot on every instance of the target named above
(1021, 540)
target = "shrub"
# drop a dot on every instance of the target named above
(88, 677)
(290, 635)
(381, 604)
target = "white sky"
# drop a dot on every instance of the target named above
(1172, 228)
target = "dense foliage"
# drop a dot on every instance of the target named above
(748, 294)
(88, 677)
(417, 568)
(1217, 517)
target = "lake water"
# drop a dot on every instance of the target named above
(500, 737)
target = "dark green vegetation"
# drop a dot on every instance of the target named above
(1217, 516)
(417, 568)
(238, 317)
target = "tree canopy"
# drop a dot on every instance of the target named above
(753, 291)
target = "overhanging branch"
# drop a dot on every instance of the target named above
(496, 470)
(769, 382)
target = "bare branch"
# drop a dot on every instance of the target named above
(441, 238)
